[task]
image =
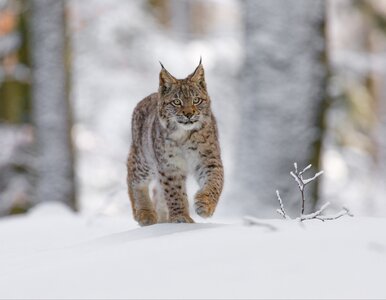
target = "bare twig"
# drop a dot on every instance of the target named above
(305, 169)
(302, 183)
(315, 214)
(281, 211)
(306, 181)
(298, 176)
(342, 213)
(298, 180)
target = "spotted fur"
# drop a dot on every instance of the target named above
(174, 133)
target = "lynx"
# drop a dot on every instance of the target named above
(174, 133)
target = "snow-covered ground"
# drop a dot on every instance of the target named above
(52, 253)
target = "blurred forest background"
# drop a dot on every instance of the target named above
(290, 80)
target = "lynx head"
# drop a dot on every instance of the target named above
(183, 102)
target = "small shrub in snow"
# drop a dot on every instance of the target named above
(302, 183)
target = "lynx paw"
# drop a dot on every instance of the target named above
(146, 217)
(204, 206)
(181, 219)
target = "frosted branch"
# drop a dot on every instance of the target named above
(315, 214)
(306, 181)
(298, 176)
(298, 180)
(343, 212)
(305, 169)
(281, 211)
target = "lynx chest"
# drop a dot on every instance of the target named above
(182, 156)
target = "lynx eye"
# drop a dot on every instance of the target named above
(197, 101)
(176, 102)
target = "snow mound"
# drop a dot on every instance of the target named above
(50, 209)
(73, 258)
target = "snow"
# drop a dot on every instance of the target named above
(53, 253)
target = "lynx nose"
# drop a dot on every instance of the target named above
(188, 114)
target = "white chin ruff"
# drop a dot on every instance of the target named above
(189, 126)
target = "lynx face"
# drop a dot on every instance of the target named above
(184, 102)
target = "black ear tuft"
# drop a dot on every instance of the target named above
(198, 76)
(166, 80)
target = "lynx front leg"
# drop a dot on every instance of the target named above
(210, 176)
(176, 198)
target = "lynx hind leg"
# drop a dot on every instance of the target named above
(143, 209)
(160, 204)
(138, 184)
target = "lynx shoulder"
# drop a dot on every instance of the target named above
(174, 133)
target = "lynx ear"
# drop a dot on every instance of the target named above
(198, 76)
(166, 80)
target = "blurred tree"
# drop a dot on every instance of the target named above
(180, 17)
(357, 114)
(51, 112)
(283, 97)
(16, 145)
(14, 71)
(187, 19)
(374, 14)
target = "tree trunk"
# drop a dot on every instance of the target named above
(181, 18)
(14, 82)
(283, 89)
(51, 112)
